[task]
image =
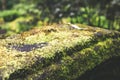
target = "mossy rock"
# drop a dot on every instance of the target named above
(56, 52)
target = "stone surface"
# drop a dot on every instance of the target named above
(56, 52)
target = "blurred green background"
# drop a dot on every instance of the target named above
(21, 15)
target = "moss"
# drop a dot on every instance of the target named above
(67, 55)
(74, 66)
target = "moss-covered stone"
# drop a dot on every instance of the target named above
(56, 52)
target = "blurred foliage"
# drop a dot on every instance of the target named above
(9, 15)
(18, 25)
(101, 13)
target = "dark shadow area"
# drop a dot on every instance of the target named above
(108, 70)
(27, 47)
(0, 78)
(20, 74)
